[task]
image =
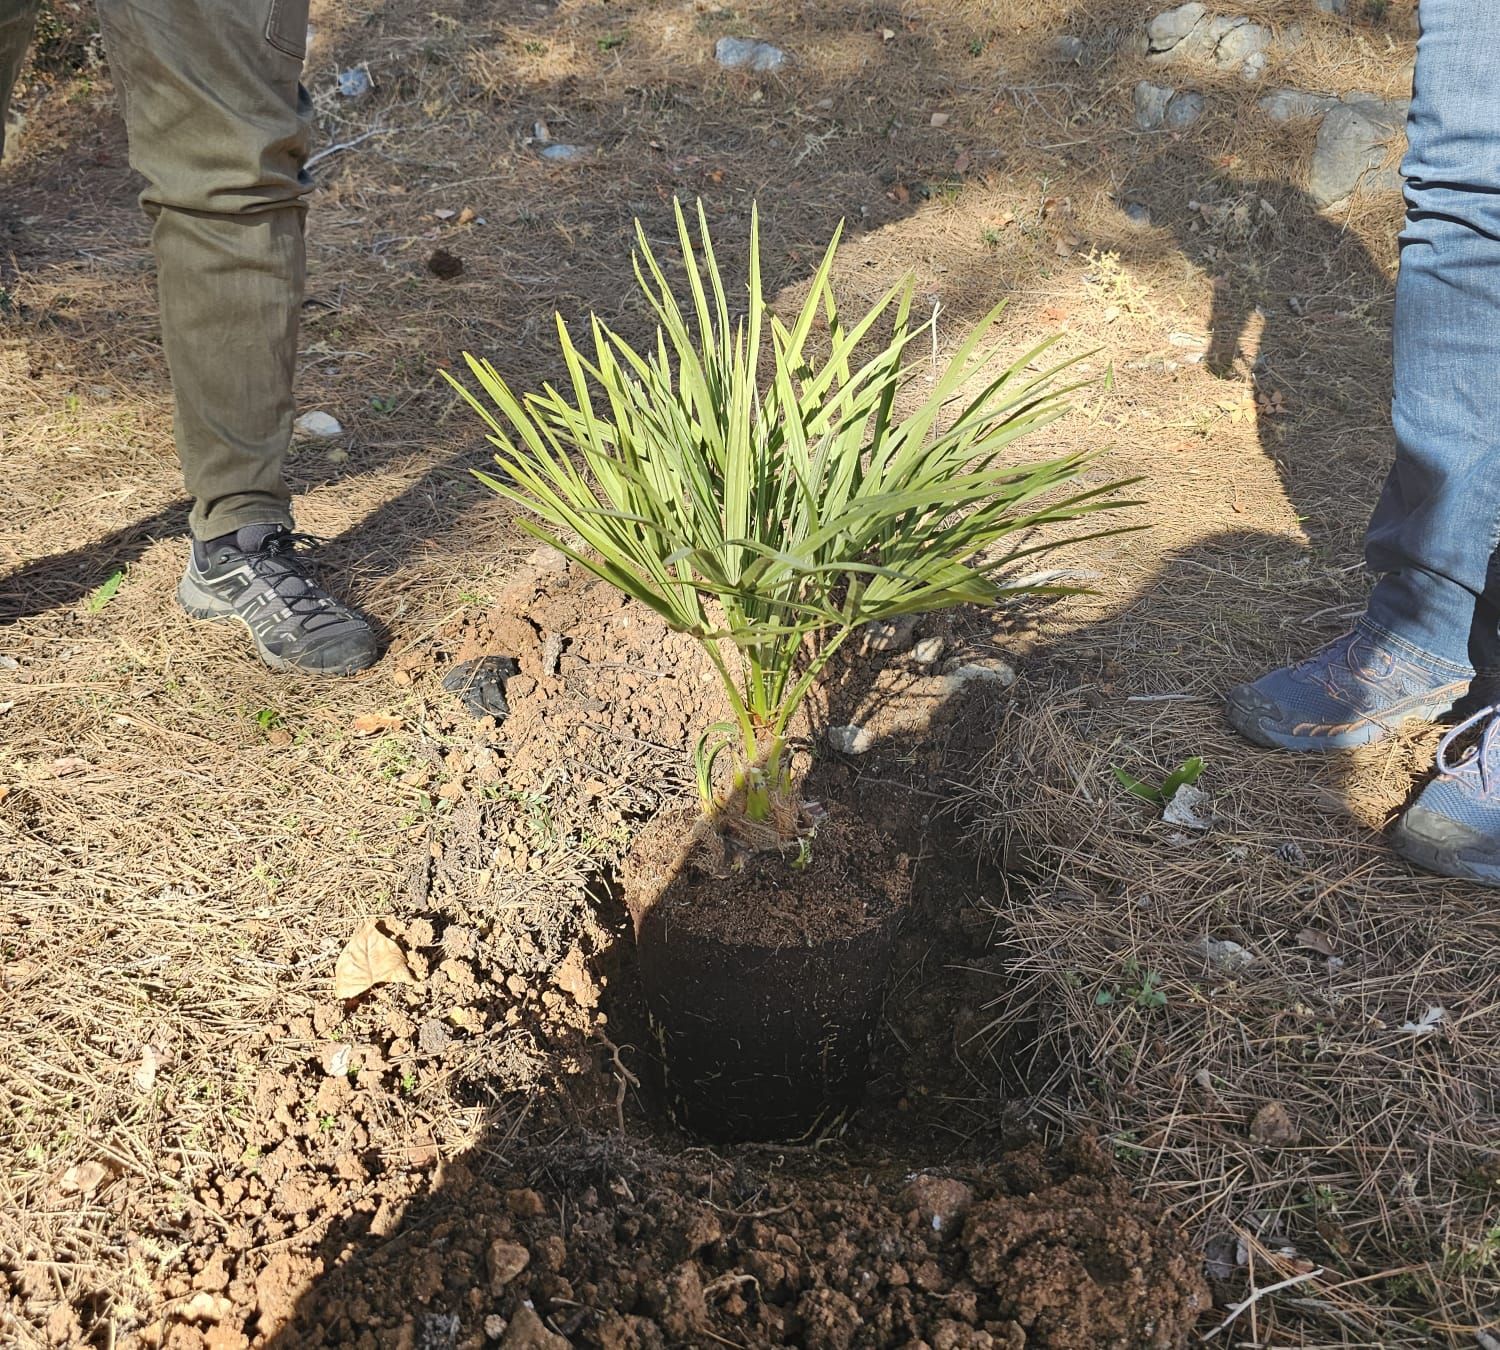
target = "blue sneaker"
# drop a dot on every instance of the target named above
(1357, 689)
(1453, 827)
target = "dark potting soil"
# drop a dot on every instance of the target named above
(853, 879)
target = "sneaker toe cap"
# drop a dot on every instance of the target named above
(1249, 709)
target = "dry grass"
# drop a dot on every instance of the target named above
(186, 886)
(1389, 1187)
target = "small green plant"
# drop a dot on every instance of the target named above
(1141, 988)
(610, 41)
(384, 404)
(104, 593)
(267, 719)
(1184, 775)
(751, 481)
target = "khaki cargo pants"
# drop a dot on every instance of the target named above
(219, 126)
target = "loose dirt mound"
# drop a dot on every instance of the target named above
(622, 1250)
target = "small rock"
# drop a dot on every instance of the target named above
(445, 265)
(991, 670)
(1064, 49)
(849, 740)
(504, 1261)
(1244, 45)
(1137, 213)
(927, 651)
(890, 635)
(940, 1202)
(9, 663)
(561, 153)
(1273, 1125)
(1183, 110)
(527, 1332)
(1223, 955)
(433, 1037)
(320, 424)
(355, 82)
(1351, 148)
(494, 1326)
(1333, 6)
(1150, 102)
(749, 54)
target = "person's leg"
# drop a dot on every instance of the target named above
(211, 96)
(17, 19)
(1436, 527)
(219, 125)
(1432, 615)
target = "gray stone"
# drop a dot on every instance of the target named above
(1168, 29)
(1333, 6)
(1065, 49)
(1183, 110)
(890, 635)
(1158, 106)
(1241, 42)
(1187, 33)
(749, 54)
(1293, 105)
(1351, 149)
(849, 740)
(927, 651)
(1151, 104)
(560, 153)
(1137, 213)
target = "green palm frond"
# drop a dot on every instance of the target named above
(743, 485)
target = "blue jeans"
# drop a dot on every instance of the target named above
(1436, 527)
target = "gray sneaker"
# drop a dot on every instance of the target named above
(260, 577)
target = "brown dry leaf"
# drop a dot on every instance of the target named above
(279, 737)
(1273, 1124)
(145, 1073)
(369, 958)
(1319, 942)
(371, 724)
(466, 216)
(900, 193)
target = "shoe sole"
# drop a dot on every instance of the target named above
(1445, 862)
(1252, 727)
(188, 594)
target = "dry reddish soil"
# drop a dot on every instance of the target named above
(585, 1218)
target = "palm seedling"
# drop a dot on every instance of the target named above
(756, 484)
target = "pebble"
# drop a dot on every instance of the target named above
(749, 54)
(1159, 105)
(939, 1201)
(1223, 954)
(991, 670)
(890, 635)
(318, 424)
(849, 740)
(504, 1261)
(527, 1332)
(559, 152)
(927, 651)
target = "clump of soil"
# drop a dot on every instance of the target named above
(626, 1250)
